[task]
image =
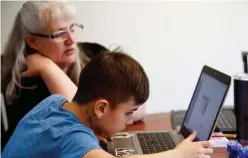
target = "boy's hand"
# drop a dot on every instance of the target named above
(103, 139)
(200, 149)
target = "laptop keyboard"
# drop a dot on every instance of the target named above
(155, 142)
(225, 122)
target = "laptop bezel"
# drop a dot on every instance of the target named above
(225, 79)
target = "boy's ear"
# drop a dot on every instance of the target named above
(101, 107)
(31, 41)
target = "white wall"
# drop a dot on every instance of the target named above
(172, 40)
(8, 13)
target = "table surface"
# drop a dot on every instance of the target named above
(162, 121)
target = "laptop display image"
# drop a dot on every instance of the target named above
(203, 110)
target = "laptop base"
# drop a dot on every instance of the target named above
(146, 142)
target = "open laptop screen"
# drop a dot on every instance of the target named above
(205, 105)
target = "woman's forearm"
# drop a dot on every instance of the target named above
(58, 82)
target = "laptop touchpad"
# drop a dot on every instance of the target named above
(122, 147)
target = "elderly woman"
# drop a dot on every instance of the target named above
(41, 58)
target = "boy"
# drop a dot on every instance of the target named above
(103, 105)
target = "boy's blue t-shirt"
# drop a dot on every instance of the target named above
(48, 130)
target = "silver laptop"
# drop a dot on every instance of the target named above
(202, 113)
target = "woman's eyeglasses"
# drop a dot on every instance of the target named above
(62, 35)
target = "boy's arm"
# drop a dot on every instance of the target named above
(102, 154)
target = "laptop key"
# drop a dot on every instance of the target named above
(165, 148)
(146, 152)
(152, 150)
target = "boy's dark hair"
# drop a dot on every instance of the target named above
(116, 77)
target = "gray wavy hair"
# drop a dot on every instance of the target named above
(33, 17)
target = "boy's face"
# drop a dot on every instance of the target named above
(115, 120)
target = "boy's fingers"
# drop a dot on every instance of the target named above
(192, 136)
(111, 138)
(207, 151)
(205, 143)
(101, 139)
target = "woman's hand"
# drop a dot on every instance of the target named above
(35, 64)
(54, 77)
(200, 149)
